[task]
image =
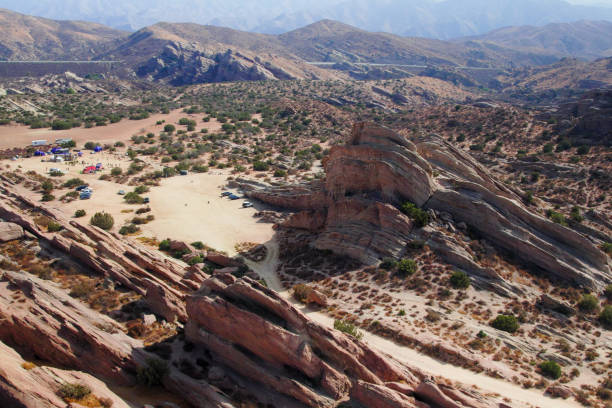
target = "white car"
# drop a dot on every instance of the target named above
(247, 204)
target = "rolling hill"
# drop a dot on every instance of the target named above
(33, 38)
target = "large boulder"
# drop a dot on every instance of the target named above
(10, 231)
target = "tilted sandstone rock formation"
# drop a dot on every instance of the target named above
(260, 336)
(355, 210)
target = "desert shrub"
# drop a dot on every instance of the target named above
(169, 128)
(607, 247)
(388, 263)
(90, 145)
(141, 189)
(406, 267)
(195, 260)
(420, 217)
(507, 323)
(61, 125)
(152, 374)
(198, 245)
(102, 220)
(46, 186)
(608, 292)
(460, 280)
(348, 328)
(143, 210)
(551, 369)
(164, 245)
(260, 166)
(416, 244)
(129, 229)
(79, 213)
(116, 171)
(605, 317)
(73, 182)
(588, 303)
(73, 391)
(54, 227)
(48, 197)
(280, 173)
(301, 292)
(556, 217)
(133, 198)
(575, 215)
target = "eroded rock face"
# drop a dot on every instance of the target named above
(10, 231)
(27, 386)
(259, 336)
(355, 210)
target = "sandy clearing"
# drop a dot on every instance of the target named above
(187, 208)
(22, 136)
(190, 208)
(412, 357)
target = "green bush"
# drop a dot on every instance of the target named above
(406, 267)
(116, 171)
(388, 263)
(73, 391)
(48, 197)
(420, 217)
(198, 245)
(607, 247)
(260, 166)
(73, 182)
(348, 328)
(141, 189)
(102, 220)
(605, 317)
(61, 125)
(79, 213)
(164, 245)
(46, 186)
(588, 303)
(576, 215)
(169, 128)
(556, 217)
(54, 226)
(507, 323)
(133, 198)
(153, 373)
(91, 145)
(551, 369)
(460, 280)
(608, 292)
(195, 260)
(129, 229)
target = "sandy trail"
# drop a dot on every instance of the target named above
(485, 384)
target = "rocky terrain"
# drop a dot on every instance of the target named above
(241, 341)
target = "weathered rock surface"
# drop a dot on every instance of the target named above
(258, 335)
(22, 386)
(40, 317)
(10, 231)
(355, 209)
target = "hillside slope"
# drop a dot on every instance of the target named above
(33, 38)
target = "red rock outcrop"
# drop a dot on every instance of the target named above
(355, 209)
(262, 337)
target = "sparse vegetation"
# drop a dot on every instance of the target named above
(551, 369)
(419, 216)
(348, 328)
(460, 280)
(102, 220)
(152, 373)
(507, 323)
(588, 303)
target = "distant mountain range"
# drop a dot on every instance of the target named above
(186, 53)
(444, 19)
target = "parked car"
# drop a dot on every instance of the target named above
(146, 200)
(121, 192)
(247, 204)
(233, 197)
(226, 194)
(80, 188)
(184, 172)
(85, 195)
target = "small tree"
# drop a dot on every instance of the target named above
(507, 323)
(420, 217)
(460, 280)
(116, 171)
(79, 213)
(169, 128)
(102, 220)
(551, 369)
